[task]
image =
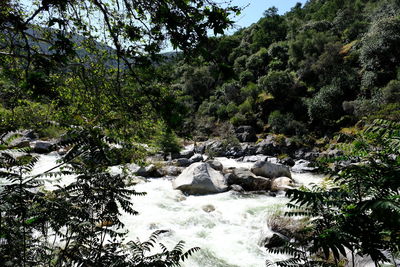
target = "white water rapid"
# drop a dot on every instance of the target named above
(228, 227)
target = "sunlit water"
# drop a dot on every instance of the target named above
(230, 235)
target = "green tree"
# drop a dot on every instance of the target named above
(378, 53)
(361, 211)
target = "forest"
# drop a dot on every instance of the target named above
(314, 91)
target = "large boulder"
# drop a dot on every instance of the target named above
(246, 134)
(200, 179)
(281, 184)
(270, 170)
(247, 180)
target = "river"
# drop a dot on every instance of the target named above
(228, 227)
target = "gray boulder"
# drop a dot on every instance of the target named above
(270, 170)
(247, 180)
(303, 165)
(200, 179)
(19, 139)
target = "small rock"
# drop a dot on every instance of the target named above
(62, 151)
(180, 197)
(208, 208)
(152, 171)
(196, 158)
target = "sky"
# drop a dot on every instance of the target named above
(256, 8)
(252, 12)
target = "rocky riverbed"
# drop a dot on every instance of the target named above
(230, 207)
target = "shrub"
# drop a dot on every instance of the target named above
(278, 83)
(285, 123)
(246, 76)
(238, 119)
(326, 106)
(168, 142)
(391, 93)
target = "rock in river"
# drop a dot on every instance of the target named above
(200, 179)
(270, 170)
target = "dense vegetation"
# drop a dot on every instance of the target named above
(359, 213)
(58, 79)
(315, 70)
(328, 67)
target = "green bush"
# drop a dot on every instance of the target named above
(391, 93)
(238, 119)
(326, 105)
(246, 76)
(278, 83)
(285, 123)
(168, 142)
(246, 106)
(251, 90)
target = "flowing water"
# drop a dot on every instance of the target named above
(230, 234)
(228, 227)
